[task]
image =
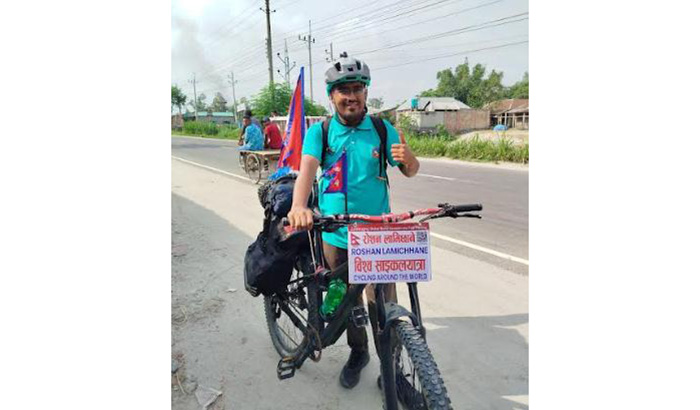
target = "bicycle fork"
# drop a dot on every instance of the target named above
(387, 314)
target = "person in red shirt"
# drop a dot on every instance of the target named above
(273, 137)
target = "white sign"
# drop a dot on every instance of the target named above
(386, 253)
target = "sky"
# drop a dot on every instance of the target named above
(405, 43)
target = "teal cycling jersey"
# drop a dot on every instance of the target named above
(366, 192)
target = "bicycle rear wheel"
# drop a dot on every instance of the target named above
(286, 337)
(418, 381)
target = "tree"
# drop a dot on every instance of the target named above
(218, 104)
(177, 98)
(521, 89)
(201, 104)
(469, 85)
(273, 97)
(312, 109)
(376, 102)
(264, 103)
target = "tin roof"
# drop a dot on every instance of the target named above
(435, 104)
(510, 105)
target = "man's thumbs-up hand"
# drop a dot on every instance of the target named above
(402, 152)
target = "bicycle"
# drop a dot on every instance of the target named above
(404, 355)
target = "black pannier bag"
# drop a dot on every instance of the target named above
(269, 260)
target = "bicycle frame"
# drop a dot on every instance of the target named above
(387, 314)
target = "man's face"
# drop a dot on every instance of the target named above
(246, 121)
(349, 100)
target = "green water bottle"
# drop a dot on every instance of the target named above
(335, 294)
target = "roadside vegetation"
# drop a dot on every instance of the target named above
(208, 130)
(442, 144)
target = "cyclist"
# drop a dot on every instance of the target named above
(350, 131)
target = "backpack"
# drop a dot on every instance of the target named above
(269, 260)
(380, 127)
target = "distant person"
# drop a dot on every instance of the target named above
(273, 137)
(252, 139)
(249, 114)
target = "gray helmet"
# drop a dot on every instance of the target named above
(345, 70)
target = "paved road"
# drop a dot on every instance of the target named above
(502, 191)
(476, 314)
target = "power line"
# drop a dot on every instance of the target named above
(451, 55)
(411, 25)
(474, 27)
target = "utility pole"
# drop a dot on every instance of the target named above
(330, 58)
(285, 61)
(233, 82)
(310, 40)
(193, 81)
(269, 41)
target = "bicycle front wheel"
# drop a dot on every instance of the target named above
(418, 381)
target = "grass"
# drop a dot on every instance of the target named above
(475, 149)
(208, 130)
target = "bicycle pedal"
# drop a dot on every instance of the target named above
(286, 368)
(359, 316)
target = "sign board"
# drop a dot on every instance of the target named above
(386, 253)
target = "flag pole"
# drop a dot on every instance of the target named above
(345, 178)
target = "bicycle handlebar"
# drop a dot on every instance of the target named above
(466, 208)
(443, 210)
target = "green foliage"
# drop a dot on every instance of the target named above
(407, 124)
(469, 85)
(271, 98)
(199, 128)
(375, 102)
(312, 109)
(177, 98)
(442, 144)
(521, 89)
(229, 132)
(201, 103)
(218, 104)
(277, 98)
(210, 130)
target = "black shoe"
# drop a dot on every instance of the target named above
(350, 375)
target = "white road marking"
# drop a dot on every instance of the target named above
(436, 177)
(437, 235)
(481, 248)
(431, 326)
(210, 168)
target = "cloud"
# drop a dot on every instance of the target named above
(187, 55)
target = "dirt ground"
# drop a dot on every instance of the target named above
(518, 136)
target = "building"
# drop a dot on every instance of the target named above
(176, 121)
(456, 116)
(385, 113)
(219, 118)
(282, 122)
(513, 113)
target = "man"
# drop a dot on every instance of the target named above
(351, 132)
(273, 138)
(253, 139)
(249, 114)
